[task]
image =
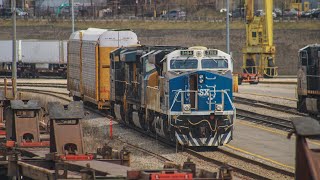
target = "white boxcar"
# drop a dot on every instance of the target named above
(5, 51)
(35, 57)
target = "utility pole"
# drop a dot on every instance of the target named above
(14, 50)
(92, 11)
(155, 8)
(72, 14)
(228, 28)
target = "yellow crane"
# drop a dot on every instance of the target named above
(300, 6)
(259, 50)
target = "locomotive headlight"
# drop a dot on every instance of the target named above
(201, 78)
(186, 107)
(219, 107)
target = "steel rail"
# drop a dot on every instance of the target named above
(268, 105)
(158, 156)
(54, 85)
(269, 96)
(221, 163)
(50, 93)
(258, 163)
(278, 123)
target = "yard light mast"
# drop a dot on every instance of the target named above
(72, 14)
(228, 28)
(14, 50)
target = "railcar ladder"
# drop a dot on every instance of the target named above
(9, 89)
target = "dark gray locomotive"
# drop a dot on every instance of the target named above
(308, 88)
(183, 95)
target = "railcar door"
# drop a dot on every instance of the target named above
(193, 87)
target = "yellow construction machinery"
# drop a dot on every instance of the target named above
(259, 50)
(300, 6)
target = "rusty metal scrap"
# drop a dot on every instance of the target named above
(307, 160)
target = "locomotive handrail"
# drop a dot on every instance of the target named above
(154, 87)
(254, 69)
(275, 70)
(177, 94)
(121, 81)
(313, 76)
(194, 91)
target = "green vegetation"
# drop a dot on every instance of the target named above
(158, 25)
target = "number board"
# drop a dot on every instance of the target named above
(211, 52)
(186, 53)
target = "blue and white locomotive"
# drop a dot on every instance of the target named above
(184, 95)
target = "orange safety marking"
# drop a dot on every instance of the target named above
(80, 157)
(155, 176)
(35, 144)
(10, 144)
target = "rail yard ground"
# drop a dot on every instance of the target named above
(290, 36)
(253, 139)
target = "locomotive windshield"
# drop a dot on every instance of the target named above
(214, 63)
(184, 64)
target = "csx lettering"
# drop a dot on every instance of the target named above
(204, 92)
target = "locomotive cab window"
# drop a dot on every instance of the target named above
(184, 64)
(304, 60)
(214, 63)
(149, 67)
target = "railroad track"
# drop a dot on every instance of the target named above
(155, 155)
(54, 85)
(267, 105)
(204, 156)
(268, 96)
(59, 95)
(62, 96)
(278, 123)
(195, 154)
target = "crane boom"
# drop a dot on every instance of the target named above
(259, 50)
